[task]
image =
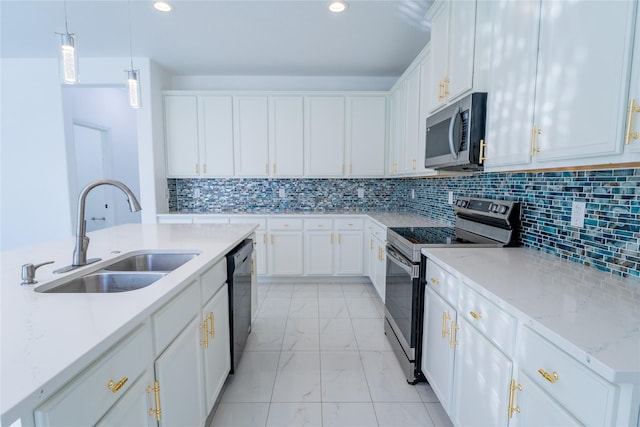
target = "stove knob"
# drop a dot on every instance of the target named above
(503, 209)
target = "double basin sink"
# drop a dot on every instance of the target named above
(127, 274)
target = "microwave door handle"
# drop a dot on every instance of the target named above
(452, 125)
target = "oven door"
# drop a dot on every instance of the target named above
(402, 299)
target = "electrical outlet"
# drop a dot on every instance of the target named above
(196, 192)
(577, 214)
(413, 193)
(450, 197)
(360, 193)
(281, 193)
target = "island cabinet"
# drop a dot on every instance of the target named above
(558, 92)
(169, 371)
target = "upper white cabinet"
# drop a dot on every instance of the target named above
(575, 112)
(324, 136)
(366, 119)
(251, 135)
(286, 135)
(199, 135)
(453, 38)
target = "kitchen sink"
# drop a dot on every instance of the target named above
(151, 262)
(105, 282)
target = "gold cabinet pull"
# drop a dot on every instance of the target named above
(512, 389)
(212, 324)
(272, 239)
(274, 168)
(475, 315)
(253, 269)
(114, 387)
(633, 108)
(204, 168)
(380, 254)
(197, 168)
(435, 281)
(339, 239)
(453, 342)
(482, 147)
(370, 244)
(440, 91)
(155, 389)
(205, 333)
(266, 168)
(332, 238)
(551, 377)
(350, 168)
(445, 85)
(445, 319)
(534, 140)
(264, 238)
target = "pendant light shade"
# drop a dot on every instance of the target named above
(68, 59)
(134, 88)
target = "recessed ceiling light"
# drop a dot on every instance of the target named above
(163, 6)
(337, 6)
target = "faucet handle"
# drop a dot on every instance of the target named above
(29, 272)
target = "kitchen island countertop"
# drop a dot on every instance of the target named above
(49, 338)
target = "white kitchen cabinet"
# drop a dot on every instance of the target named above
(199, 136)
(251, 135)
(632, 128)
(179, 379)
(398, 128)
(349, 252)
(107, 383)
(412, 122)
(286, 136)
(536, 408)
(318, 246)
(576, 113)
(366, 118)
(480, 369)
(324, 129)
(216, 352)
(438, 344)
(453, 38)
(133, 408)
(285, 254)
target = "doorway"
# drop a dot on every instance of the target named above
(101, 133)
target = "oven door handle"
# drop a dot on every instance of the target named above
(400, 261)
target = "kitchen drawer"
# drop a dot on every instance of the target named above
(442, 282)
(174, 316)
(248, 219)
(315, 224)
(213, 279)
(378, 230)
(586, 395)
(85, 399)
(498, 326)
(349, 223)
(285, 223)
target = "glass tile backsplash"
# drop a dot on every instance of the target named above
(608, 241)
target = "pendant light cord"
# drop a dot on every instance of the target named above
(130, 37)
(66, 25)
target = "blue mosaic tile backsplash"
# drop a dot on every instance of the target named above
(608, 241)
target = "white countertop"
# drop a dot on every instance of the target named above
(592, 315)
(48, 338)
(385, 218)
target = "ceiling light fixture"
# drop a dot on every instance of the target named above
(133, 81)
(337, 6)
(163, 6)
(68, 58)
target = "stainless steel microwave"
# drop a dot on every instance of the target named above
(455, 135)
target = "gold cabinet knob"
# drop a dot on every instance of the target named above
(435, 281)
(475, 315)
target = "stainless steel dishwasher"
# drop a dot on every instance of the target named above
(239, 281)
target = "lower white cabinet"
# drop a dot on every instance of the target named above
(349, 252)
(216, 353)
(173, 379)
(318, 246)
(285, 251)
(179, 380)
(334, 246)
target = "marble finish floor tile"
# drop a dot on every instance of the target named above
(297, 378)
(318, 356)
(341, 414)
(295, 414)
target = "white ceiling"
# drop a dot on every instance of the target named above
(228, 37)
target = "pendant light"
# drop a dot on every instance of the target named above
(133, 79)
(68, 58)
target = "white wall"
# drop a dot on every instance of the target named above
(34, 176)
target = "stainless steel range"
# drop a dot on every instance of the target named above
(481, 223)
